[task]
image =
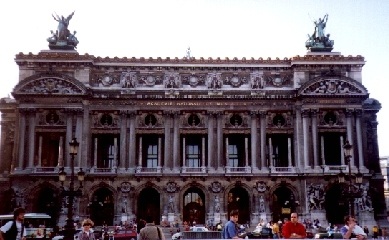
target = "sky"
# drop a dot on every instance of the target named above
(211, 28)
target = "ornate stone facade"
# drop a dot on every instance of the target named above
(190, 139)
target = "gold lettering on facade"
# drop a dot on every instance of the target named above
(161, 103)
(331, 101)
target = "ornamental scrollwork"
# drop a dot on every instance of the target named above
(216, 187)
(172, 187)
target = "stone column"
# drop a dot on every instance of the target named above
(86, 137)
(31, 139)
(168, 141)
(60, 151)
(140, 152)
(349, 118)
(132, 141)
(270, 153)
(246, 151)
(95, 152)
(184, 152)
(40, 139)
(315, 144)
(305, 116)
(322, 150)
(176, 142)
(22, 136)
(262, 115)
(123, 140)
(79, 133)
(211, 142)
(359, 137)
(219, 141)
(289, 152)
(203, 152)
(254, 141)
(159, 152)
(342, 150)
(298, 136)
(68, 138)
(227, 154)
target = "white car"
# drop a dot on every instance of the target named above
(199, 229)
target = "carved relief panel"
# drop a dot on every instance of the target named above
(236, 120)
(279, 120)
(150, 120)
(193, 120)
(331, 118)
(51, 117)
(105, 120)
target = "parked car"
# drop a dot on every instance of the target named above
(262, 233)
(336, 235)
(199, 229)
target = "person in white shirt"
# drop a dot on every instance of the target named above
(14, 229)
(352, 230)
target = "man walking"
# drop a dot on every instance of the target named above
(230, 230)
(150, 231)
(14, 230)
(293, 229)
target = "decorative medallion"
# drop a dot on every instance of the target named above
(193, 81)
(150, 80)
(235, 81)
(261, 186)
(106, 80)
(125, 187)
(216, 187)
(171, 187)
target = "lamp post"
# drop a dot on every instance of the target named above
(71, 192)
(351, 192)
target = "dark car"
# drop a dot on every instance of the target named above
(263, 233)
(336, 235)
(125, 234)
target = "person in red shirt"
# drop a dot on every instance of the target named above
(293, 229)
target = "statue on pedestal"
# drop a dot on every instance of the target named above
(62, 39)
(318, 41)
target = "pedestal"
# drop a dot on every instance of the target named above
(170, 217)
(216, 217)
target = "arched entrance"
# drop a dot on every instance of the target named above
(194, 209)
(149, 205)
(238, 199)
(47, 201)
(101, 207)
(336, 207)
(284, 203)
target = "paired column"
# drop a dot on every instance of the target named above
(31, 138)
(211, 141)
(132, 141)
(123, 139)
(219, 140)
(349, 120)
(254, 139)
(358, 127)
(314, 138)
(305, 116)
(262, 116)
(22, 139)
(168, 141)
(176, 140)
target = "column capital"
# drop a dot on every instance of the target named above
(305, 113)
(349, 112)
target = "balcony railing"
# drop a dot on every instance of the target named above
(335, 168)
(45, 170)
(148, 170)
(238, 170)
(103, 170)
(283, 170)
(193, 170)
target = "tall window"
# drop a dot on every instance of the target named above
(233, 160)
(193, 155)
(152, 156)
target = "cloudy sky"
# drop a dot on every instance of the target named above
(212, 28)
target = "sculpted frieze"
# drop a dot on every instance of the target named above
(333, 86)
(278, 79)
(172, 80)
(50, 86)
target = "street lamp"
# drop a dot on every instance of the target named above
(71, 192)
(351, 192)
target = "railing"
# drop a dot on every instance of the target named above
(238, 169)
(194, 170)
(103, 170)
(45, 170)
(335, 168)
(148, 170)
(283, 170)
